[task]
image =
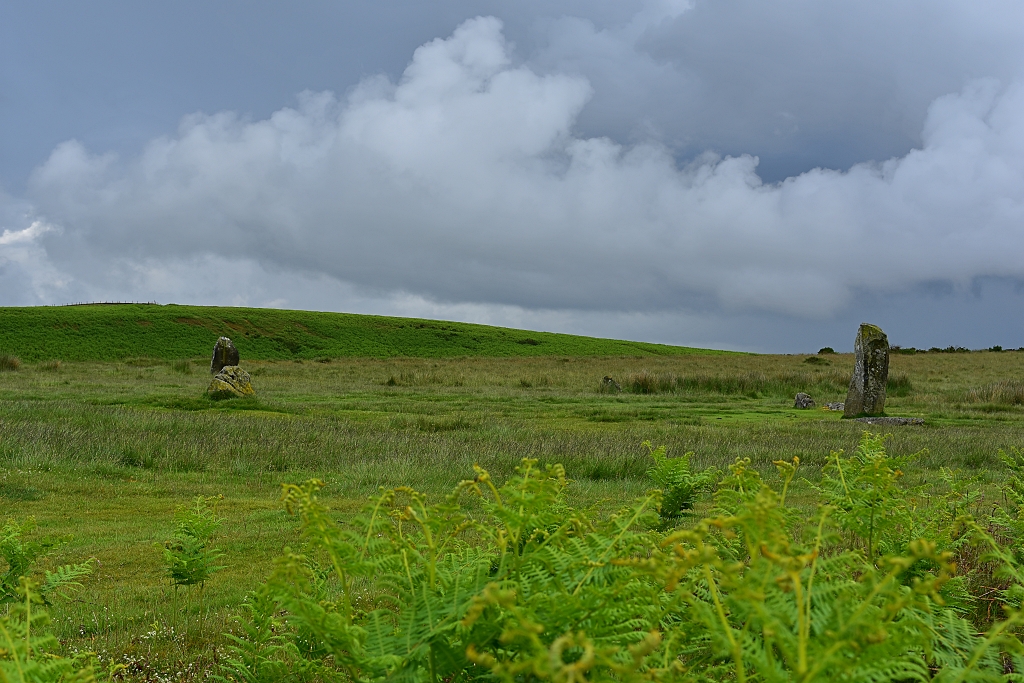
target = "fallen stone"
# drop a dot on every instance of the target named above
(866, 396)
(224, 355)
(891, 421)
(232, 381)
(803, 401)
(835, 406)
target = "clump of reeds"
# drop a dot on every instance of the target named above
(1005, 392)
(9, 363)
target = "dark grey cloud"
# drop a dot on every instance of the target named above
(797, 83)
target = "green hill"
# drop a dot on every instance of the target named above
(117, 331)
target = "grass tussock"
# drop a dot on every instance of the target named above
(1009, 392)
(9, 363)
(53, 365)
(898, 385)
(183, 367)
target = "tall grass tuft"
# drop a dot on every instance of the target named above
(182, 366)
(898, 385)
(9, 363)
(49, 365)
(645, 382)
(1005, 392)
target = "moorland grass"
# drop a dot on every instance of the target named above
(104, 452)
(115, 332)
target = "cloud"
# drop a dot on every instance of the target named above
(466, 183)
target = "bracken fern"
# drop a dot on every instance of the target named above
(521, 586)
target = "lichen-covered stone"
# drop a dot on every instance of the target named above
(866, 396)
(224, 354)
(803, 401)
(231, 381)
(892, 421)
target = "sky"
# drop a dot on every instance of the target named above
(721, 173)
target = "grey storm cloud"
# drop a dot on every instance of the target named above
(469, 180)
(798, 83)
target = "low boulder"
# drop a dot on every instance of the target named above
(609, 384)
(892, 421)
(803, 401)
(224, 354)
(232, 381)
(840, 406)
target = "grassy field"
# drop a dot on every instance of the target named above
(114, 332)
(103, 452)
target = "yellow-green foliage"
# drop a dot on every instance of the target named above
(679, 484)
(511, 583)
(28, 650)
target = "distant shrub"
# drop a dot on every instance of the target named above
(49, 365)
(528, 341)
(815, 360)
(826, 350)
(995, 348)
(906, 351)
(9, 363)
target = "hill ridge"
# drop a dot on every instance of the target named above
(116, 331)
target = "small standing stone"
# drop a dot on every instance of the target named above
(224, 354)
(231, 381)
(803, 401)
(866, 396)
(609, 384)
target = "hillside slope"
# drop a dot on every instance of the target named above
(117, 331)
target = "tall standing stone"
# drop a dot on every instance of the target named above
(224, 354)
(870, 373)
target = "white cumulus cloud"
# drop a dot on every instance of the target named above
(466, 183)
